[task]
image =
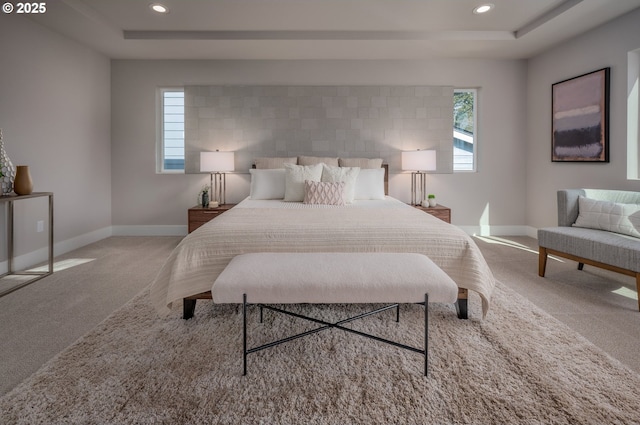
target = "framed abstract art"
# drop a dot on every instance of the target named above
(580, 121)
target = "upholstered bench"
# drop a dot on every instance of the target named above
(324, 278)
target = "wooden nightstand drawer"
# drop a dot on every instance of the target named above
(439, 211)
(198, 216)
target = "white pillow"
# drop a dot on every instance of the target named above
(267, 183)
(610, 216)
(348, 175)
(295, 175)
(370, 184)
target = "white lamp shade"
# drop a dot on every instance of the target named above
(419, 160)
(216, 161)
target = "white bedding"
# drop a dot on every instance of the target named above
(388, 202)
(277, 226)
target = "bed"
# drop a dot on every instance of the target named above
(274, 225)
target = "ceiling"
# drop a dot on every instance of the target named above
(326, 29)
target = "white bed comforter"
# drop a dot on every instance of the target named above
(201, 256)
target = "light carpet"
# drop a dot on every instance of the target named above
(517, 366)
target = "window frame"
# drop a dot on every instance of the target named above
(474, 168)
(160, 133)
(633, 115)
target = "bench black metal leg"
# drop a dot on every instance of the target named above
(328, 325)
(426, 334)
(188, 308)
(462, 308)
(580, 266)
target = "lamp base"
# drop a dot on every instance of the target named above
(418, 187)
(218, 188)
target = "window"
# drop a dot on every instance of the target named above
(171, 140)
(464, 130)
(633, 115)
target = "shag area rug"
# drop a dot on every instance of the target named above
(517, 366)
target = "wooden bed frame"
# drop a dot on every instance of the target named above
(189, 303)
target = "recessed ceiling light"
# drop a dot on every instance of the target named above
(483, 8)
(157, 7)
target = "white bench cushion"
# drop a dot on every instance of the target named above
(290, 278)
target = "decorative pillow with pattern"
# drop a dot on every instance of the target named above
(610, 216)
(324, 193)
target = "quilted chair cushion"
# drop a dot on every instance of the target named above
(610, 216)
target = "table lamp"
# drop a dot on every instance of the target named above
(417, 162)
(217, 163)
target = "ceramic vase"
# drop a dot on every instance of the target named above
(432, 202)
(7, 170)
(23, 185)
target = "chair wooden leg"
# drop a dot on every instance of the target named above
(542, 261)
(638, 289)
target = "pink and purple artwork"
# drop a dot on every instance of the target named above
(581, 118)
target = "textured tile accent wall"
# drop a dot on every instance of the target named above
(342, 121)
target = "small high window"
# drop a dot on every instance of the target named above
(171, 140)
(464, 130)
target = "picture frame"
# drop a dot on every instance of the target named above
(580, 118)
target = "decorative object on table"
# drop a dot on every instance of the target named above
(580, 108)
(418, 162)
(23, 185)
(431, 200)
(217, 163)
(7, 170)
(203, 197)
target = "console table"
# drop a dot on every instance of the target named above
(10, 200)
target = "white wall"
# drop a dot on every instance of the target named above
(54, 112)
(493, 196)
(54, 108)
(606, 46)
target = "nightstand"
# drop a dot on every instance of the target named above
(199, 215)
(439, 211)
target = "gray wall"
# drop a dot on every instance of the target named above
(494, 196)
(346, 121)
(606, 46)
(54, 112)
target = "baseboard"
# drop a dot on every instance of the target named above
(132, 230)
(496, 230)
(25, 261)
